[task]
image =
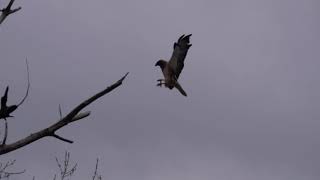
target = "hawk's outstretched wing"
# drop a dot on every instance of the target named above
(180, 50)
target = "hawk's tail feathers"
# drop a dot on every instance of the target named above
(178, 86)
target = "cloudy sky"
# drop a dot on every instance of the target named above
(251, 76)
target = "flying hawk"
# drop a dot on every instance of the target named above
(172, 69)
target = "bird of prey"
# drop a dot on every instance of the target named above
(171, 69)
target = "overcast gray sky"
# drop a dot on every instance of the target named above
(252, 110)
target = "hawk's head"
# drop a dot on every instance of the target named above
(162, 63)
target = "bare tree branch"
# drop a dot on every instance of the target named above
(5, 132)
(4, 173)
(96, 176)
(65, 170)
(28, 87)
(60, 112)
(5, 110)
(7, 11)
(73, 116)
(62, 139)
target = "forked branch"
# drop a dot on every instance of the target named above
(7, 11)
(72, 116)
(6, 110)
(4, 170)
(66, 170)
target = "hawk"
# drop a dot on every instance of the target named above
(171, 70)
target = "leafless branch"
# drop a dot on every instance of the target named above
(7, 11)
(60, 112)
(28, 87)
(5, 110)
(72, 116)
(96, 176)
(65, 170)
(5, 132)
(4, 173)
(62, 139)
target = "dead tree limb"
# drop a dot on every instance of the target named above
(5, 110)
(5, 132)
(64, 167)
(96, 176)
(7, 11)
(28, 86)
(5, 173)
(72, 116)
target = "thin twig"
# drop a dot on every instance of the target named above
(28, 87)
(65, 170)
(62, 139)
(60, 112)
(5, 132)
(95, 170)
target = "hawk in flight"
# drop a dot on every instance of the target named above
(172, 69)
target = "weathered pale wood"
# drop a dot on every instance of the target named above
(72, 116)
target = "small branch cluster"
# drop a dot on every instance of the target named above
(66, 170)
(4, 173)
(64, 167)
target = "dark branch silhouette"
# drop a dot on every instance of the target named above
(5, 132)
(5, 110)
(7, 11)
(72, 116)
